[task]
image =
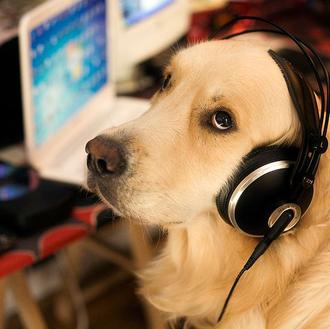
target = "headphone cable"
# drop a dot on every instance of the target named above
(273, 233)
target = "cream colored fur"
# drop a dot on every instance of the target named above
(178, 167)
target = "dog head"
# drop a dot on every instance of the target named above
(219, 100)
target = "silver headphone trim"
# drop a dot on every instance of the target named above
(280, 210)
(246, 182)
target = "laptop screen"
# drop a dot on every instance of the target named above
(69, 65)
(138, 10)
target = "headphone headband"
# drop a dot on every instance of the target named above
(305, 104)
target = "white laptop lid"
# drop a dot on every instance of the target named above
(65, 68)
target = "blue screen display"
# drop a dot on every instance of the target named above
(136, 10)
(69, 64)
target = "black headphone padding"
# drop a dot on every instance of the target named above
(252, 161)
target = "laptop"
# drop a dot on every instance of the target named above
(67, 83)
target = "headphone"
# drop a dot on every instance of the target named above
(273, 187)
(274, 179)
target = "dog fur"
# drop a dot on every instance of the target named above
(177, 163)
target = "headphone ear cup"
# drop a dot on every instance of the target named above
(252, 204)
(249, 163)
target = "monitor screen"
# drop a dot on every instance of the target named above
(136, 10)
(69, 65)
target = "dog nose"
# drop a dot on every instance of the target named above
(105, 156)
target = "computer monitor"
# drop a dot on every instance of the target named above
(144, 28)
(69, 64)
(65, 69)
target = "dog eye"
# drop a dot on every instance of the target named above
(166, 82)
(222, 120)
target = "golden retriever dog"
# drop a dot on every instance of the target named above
(166, 168)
